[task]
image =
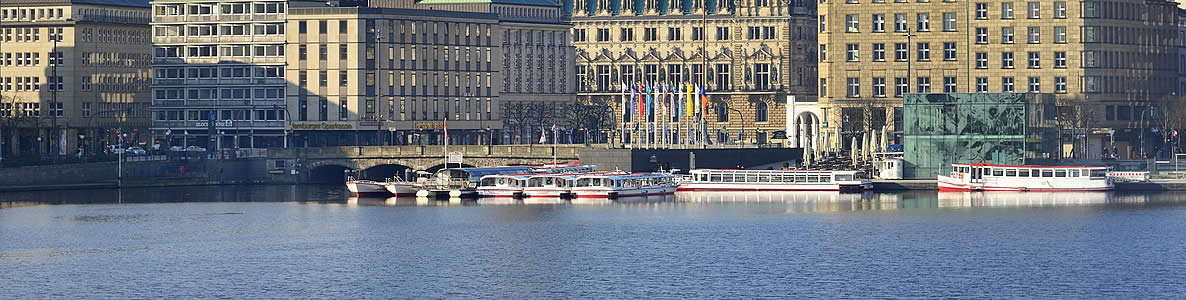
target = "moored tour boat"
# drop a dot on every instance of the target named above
(623, 185)
(992, 177)
(502, 186)
(550, 185)
(401, 188)
(366, 187)
(775, 180)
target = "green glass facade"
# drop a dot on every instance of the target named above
(1002, 128)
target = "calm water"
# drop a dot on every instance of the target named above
(315, 242)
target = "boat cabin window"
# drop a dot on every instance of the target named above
(1060, 173)
(844, 177)
(998, 172)
(1023, 172)
(1074, 173)
(1047, 173)
(714, 178)
(1099, 173)
(1011, 172)
(487, 182)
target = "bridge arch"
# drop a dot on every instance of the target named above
(436, 168)
(330, 173)
(381, 172)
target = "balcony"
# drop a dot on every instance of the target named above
(168, 103)
(168, 81)
(168, 19)
(235, 39)
(271, 17)
(234, 81)
(275, 38)
(234, 18)
(268, 60)
(269, 81)
(268, 102)
(168, 40)
(168, 60)
(201, 18)
(202, 39)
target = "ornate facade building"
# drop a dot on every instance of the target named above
(73, 73)
(1108, 63)
(748, 55)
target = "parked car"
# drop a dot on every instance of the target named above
(177, 149)
(136, 150)
(115, 150)
(195, 148)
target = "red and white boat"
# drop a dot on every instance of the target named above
(992, 177)
(401, 188)
(775, 180)
(550, 185)
(623, 185)
(366, 187)
(502, 185)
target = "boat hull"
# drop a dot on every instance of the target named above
(546, 193)
(949, 184)
(622, 193)
(366, 188)
(499, 193)
(401, 189)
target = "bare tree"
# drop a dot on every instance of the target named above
(12, 119)
(1076, 116)
(588, 116)
(542, 115)
(517, 116)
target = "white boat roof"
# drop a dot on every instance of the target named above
(1027, 166)
(627, 176)
(515, 176)
(740, 171)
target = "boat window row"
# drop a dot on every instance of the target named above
(546, 181)
(623, 182)
(763, 178)
(1034, 172)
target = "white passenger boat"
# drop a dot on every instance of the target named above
(623, 185)
(991, 177)
(401, 188)
(775, 180)
(550, 185)
(502, 185)
(366, 187)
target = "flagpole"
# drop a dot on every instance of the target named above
(446, 127)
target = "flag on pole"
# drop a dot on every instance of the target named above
(641, 102)
(696, 110)
(689, 105)
(446, 127)
(543, 138)
(703, 102)
(630, 109)
(650, 97)
(623, 101)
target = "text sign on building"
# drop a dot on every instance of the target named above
(453, 158)
(429, 125)
(320, 126)
(223, 123)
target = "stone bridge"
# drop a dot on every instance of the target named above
(302, 164)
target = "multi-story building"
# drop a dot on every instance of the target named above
(73, 73)
(393, 75)
(748, 55)
(1107, 62)
(219, 72)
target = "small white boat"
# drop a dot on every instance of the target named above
(623, 185)
(549, 185)
(775, 180)
(991, 177)
(502, 185)
(366, 187)
(401, 188)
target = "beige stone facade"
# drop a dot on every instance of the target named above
(101, 59)
(748, 55)
(1117, 57)
(394, 75)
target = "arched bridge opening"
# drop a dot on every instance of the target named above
(384, 171)
(330, 174)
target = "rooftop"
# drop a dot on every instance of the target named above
(126, 3)
(513, 2)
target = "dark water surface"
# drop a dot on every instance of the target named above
(315, 242)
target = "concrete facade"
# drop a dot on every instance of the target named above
(1111, 61)
(99, 52)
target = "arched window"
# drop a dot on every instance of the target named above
(760, 112)
(722, 112)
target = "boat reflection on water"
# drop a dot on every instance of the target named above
(405, 201)
(805, 201)
(1035, 199)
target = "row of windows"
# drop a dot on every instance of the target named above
(30, 34)
(21, 109)
(211, 51)
(32, 14)
(211, 30)
(852, 23)
(221, 115)
(417, 32)
(212, 93)
(233, 8)
(114, 36)
(113, 83)
(901, 86)
(608, 78)
(409, 109)
(217, 72)
(676, 34)
(1033, 10)
(1033, 35)
(116, 59)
